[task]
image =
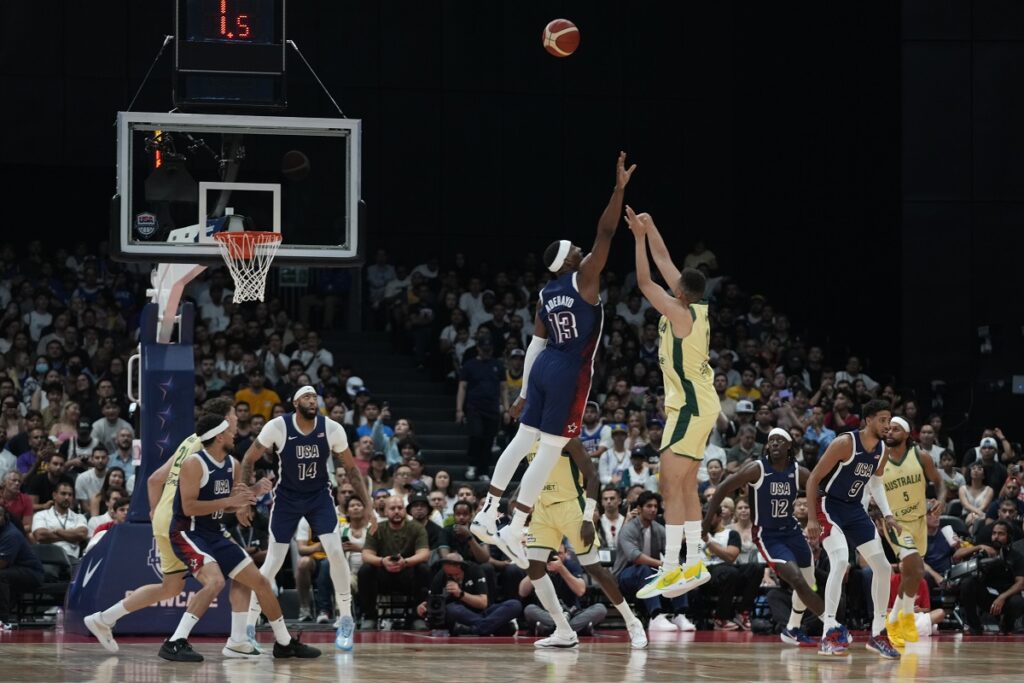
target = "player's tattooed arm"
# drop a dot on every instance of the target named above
(347, 462)
(252, 456)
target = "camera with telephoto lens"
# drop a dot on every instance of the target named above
(436, 614)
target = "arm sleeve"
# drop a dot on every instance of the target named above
(537, 345)
(336, 436)
(273, 433)
(877, 490)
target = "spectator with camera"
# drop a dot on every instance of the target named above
(996, 585)
(458, 601)
(567, 576)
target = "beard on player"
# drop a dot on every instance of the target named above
(307, 411)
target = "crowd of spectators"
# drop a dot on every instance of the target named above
(70, 449)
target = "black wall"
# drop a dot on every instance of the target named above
(770, 130)
(963, 205)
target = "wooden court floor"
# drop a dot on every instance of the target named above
(31, 656)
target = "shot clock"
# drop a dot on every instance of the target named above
(229, 54)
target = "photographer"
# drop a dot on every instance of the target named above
(998, 584)
(458, 601)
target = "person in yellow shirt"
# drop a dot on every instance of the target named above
(261, 400)
(745, 389)
(906, 476)
(691, 405)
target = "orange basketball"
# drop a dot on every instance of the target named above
(561, 37)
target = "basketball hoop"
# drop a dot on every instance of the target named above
(248, 255)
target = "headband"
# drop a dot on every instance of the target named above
(302, 391)
(901, 422)
(778, 431)
(214, 432)
(563, 251)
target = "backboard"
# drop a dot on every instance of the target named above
(181, 178)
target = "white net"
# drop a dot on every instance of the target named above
(248, 255)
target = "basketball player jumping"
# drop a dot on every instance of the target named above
(835, 491)
(691, 405)
(305, 442)
(206, 490)
(905, 489)
(774, 482)
(562, 511)
(162, 487)
(556, 375)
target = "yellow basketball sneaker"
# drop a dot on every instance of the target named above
(659, 582)
(908, 626)
(676, 581)
(895, 630)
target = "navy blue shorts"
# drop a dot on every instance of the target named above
(783, 545)
(849, 517)
(557, 393)
(198, 548)
(291, 506)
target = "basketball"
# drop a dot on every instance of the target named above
(561, 37)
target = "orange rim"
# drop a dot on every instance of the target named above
(241, 245)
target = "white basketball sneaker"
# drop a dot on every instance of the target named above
(559, 640)
(637, 635)
(103, 633)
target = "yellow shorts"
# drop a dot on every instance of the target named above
(549, 524)
(169, 562)
(912, 539)
(687, 434)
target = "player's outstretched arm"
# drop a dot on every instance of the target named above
(659, 252)
(932, 473)
(347, 462)
(748, 474)
(592, 486)
(837, 451)
(670, 307)
(594, 262)
(249, 460)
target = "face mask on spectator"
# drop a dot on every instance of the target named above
(42, 367)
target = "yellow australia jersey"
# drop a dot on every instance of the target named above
(905, 487)
(689, 380)
(564, 483)
(165, 508)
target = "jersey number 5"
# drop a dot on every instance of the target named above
(307, 471)
(564, 325)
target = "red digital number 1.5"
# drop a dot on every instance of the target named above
(240, 23)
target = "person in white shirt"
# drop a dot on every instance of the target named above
(61, 525)
(214, 313)
(312, 355)
(39, 317)
(378, 275)
(612, 518)
(90, 482)
(853, 372)
(105, 429)
(615, 460)
(471, 302)
(113, 495)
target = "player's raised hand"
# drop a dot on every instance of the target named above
(622, 174)
(262, 487)
(891, 522)
(244, 516)
(813, 528)
(637, 225)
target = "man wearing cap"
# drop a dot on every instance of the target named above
(419, 509)
(595, 436)
(78, 449)
(615, 461)
(557, 373)
(466, 604)
(904, 477)
(306, 442)
(480, 397)
(639, 473)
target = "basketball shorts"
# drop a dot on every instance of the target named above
(778, 546)
(169, 562)
(913, 538)
(291, 506)
(198, 548)
(556, 394)
(549, 524)
(845, 518)
(686, 433)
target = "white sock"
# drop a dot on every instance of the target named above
(281, 634)
(549, 599)
(518, 520)
(238, 627)
(838, 564)
(491, 506)
(694, 545)
(796, 617)
(897, 605)
(340, 575)
(110, 615)
(673, 544)
(510, 458)
(277, 553)
(537, 473)
(626, 612)
(188, 620)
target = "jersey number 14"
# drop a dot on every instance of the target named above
(307, 470)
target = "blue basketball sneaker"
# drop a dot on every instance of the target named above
(343, 639)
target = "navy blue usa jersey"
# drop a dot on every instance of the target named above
(847, 480)
(573, 325)
(773, 496)
(215, 484)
